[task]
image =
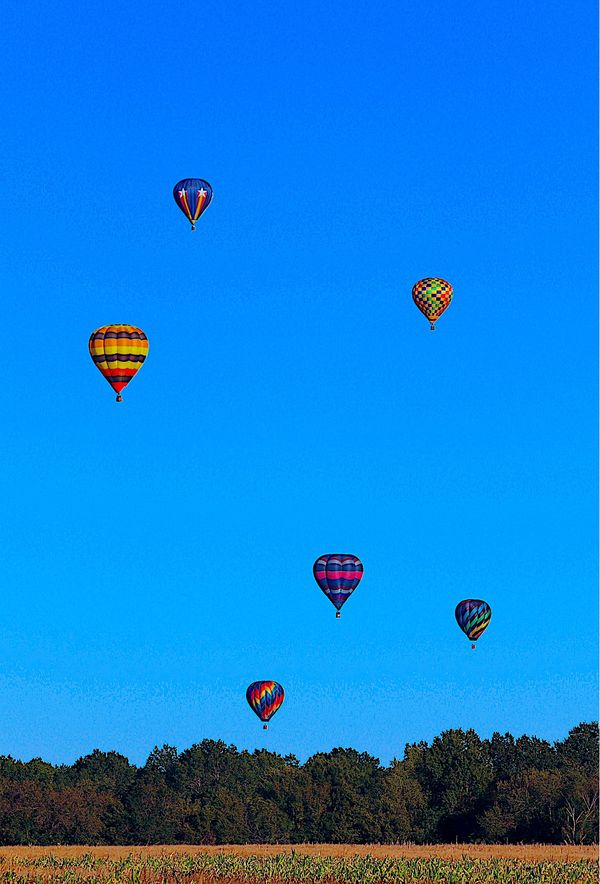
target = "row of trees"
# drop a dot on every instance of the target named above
(458, 788)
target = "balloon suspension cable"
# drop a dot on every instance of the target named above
(265, 727)
(337, 615)
(119, 398)
(432, 326)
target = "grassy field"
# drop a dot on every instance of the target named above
(302, 864)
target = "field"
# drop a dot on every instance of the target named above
(302, 864)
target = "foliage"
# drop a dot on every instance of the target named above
(458, 788)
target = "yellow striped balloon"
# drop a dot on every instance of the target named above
(118, 351)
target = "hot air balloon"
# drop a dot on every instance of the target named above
(338, 575)
(119, 352)
(432, 296)
(473, 615)
(265, 698)
(193, 196)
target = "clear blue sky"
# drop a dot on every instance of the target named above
(157, 555)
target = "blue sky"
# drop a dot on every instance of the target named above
(157, 555)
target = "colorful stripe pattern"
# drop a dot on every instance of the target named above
(473, 615)
(265, 698)
(338, 575)
(193, 196)
(432, 296)
(119, 352)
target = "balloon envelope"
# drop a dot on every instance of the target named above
(473, 616)
(193, 196)
(432, 296)
(265, 698)
(338, 575)
(118, 351)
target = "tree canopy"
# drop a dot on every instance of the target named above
(459, 787)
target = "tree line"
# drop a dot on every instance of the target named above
(459, 787)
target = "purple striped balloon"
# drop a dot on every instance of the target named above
(338, 575)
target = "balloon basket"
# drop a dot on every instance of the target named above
(119, 398)
(265, 727)
(337, 615)
(473, 647)
(432, 326)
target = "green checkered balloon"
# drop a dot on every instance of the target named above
(432, 295)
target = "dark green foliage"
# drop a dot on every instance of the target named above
(542, 792)
(455, 773)
(458, 788)
(342, 793)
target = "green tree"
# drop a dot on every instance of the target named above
(163, 763)
(109, 771)
(403, 804)
(526, 808)
(156, 814)
(455, 773)
(343, 790)
(580, 748)
(578, 757)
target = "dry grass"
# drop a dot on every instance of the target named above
(526, 852)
